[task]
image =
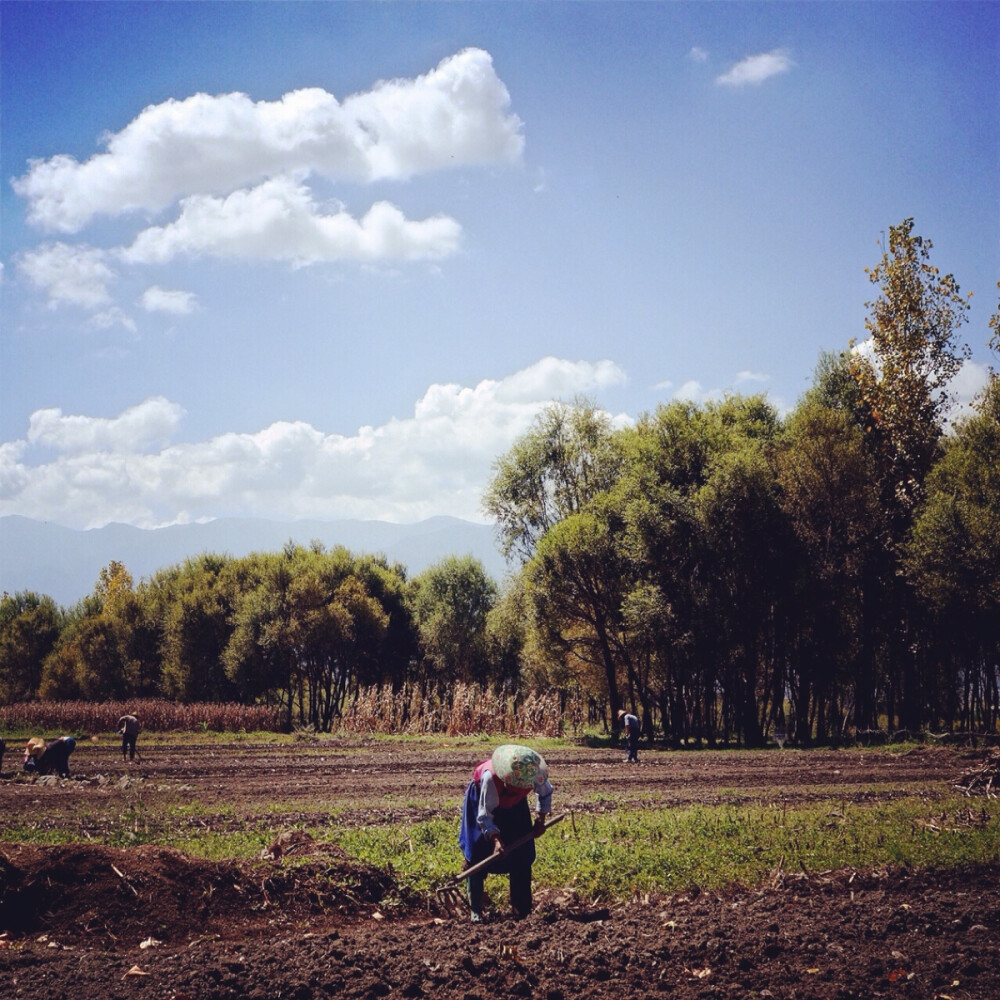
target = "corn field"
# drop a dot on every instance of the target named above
(463, 710)
(154, 714)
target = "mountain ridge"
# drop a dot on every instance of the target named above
(65, 563)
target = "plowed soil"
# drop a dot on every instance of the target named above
(84, 921)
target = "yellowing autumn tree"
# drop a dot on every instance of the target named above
(903, 380)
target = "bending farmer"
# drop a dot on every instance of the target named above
(128, 726)
(42, 759)
(495, 813)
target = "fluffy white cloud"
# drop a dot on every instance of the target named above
(278, 220)
(756, 69)
(454, 115)
(148, 425)
(436, 461)
(69, 275)
(179, 303)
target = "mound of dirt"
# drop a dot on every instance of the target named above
(127, 895)
(97, 922)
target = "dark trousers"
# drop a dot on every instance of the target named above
(128, 746)
(513, 823)
(55, 758)
(519, 880)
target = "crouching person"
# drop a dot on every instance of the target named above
(495, 814)
(33, 749)
(54, 758)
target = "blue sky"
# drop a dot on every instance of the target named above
(330, 259)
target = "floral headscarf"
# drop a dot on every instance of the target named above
(519, 766)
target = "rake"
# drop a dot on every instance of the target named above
(451, 897)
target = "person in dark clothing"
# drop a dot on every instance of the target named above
(631, 726)
(55, 757)
(495, 813)
(128, 726)
(3, 747)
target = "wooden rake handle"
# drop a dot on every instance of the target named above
(520, 842)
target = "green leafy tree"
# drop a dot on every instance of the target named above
(108, 648)
(508, 634)
(953, 555)
(706, 539)
(539, 497)
(903, 388)
(195, 603)
(29, 629)
(751, 563)
(451, 602)
(308, 630)
(577, 582)
(826, 491)
(550, 472)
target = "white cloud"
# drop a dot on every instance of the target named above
(556, 378)
(178, 303)
(69, 275)
(756, 69)
(748, 376)
(455, 115)
(148, 425)
(697, 54)
(968, 383)
(436, 461)
(278, 220)
(113, 316)
(690, 391)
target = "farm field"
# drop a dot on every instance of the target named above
(145, 880)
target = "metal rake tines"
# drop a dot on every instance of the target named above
(451, 898)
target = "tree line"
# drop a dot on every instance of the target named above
(722, 569)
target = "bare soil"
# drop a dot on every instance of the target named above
(84, 921)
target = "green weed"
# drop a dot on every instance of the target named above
(664, 850)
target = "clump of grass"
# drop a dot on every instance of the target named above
(214, 845)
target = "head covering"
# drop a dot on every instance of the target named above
(519, 766)
(35, 746)
(621, 712)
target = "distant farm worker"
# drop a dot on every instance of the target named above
(128, 726)
(42, 759)
(495, 814)
(630, 724)
(33, 749)
(3, 747)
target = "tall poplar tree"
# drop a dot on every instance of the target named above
(903, 393)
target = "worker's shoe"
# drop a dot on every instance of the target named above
(477, 917)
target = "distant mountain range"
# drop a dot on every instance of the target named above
(65, 563)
